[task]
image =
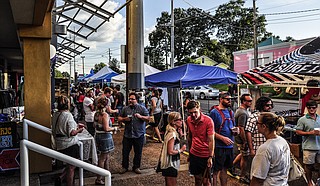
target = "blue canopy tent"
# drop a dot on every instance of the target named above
(190, 75)
(86, 76)
(105, 78)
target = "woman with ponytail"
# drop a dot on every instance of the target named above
(271, 164)
(104, 130)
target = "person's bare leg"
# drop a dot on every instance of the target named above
(197, 179)
(156, 129)
(237, 159)
(223, 177)
(308, 169)
(101, 163)
(215, 178)
(171, 181)
(106, 162)
(243, 166)
(70, 174)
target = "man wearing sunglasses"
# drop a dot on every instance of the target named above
(134, 116)
(308, 126)
(254, 138)
(223, 119)
(241, 117)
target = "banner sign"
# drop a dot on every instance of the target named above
(9, 147)
(294, 68)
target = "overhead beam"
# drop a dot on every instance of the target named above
(97, 8)
(75, 21)
(76, 33)
(88, 10)
(71, 41)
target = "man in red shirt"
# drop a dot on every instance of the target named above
(200, 142)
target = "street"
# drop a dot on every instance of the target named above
(279, 105)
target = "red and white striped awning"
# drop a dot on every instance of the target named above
(296, 66)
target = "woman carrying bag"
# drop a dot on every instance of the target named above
(170, 154)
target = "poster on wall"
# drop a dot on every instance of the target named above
(9, 147)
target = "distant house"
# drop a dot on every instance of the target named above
(268, 51)
(204, 60)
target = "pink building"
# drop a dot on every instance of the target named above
(244, 59)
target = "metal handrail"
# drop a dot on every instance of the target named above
(27, 123)
(51, 153)
(24, 159)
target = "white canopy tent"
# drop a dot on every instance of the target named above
(121, 78)
(148, 70)
(105, 70)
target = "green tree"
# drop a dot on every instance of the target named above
(115, 65)
(98, 67)
(192, 29)
(216, 51)
(65, 74)
(58, 73)
(234, 24)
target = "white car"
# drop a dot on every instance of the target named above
(202, 92)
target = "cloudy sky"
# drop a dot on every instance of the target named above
(299, 19)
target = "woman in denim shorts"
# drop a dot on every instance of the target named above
(105, 145)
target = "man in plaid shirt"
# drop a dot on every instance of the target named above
(254, 138)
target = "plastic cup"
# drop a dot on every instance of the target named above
(112, 120)
(80, 125)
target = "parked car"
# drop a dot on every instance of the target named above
(202, 92)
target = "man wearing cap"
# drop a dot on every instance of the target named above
(89, 110)
(225, 129)
(200, 142)
(308, 126)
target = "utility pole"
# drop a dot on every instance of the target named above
(255, 42)
(74, 56)
(83, 65)
(172, 35)
(70, 71)
(109, 57)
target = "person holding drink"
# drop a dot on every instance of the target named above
(307, 127)
(104, 129)
(225, 130)
(170, 154)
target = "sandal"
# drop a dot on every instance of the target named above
(99, 182)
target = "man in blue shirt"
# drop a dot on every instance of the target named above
(224, 125)
(308, 127)
(134, 116)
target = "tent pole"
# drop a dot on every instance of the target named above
(182, 113)
(299, 89)
(238, 87)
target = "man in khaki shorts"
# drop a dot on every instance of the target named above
(307, 127)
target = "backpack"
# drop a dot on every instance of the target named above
(216, 107)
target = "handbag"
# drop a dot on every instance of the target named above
(207, 174)
(296, 170)
(158, 168)
(151, 119)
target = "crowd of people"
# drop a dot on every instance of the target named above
(212, 140)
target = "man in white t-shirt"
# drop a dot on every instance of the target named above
(89, 110)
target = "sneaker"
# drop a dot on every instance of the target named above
(245, 180)
(123, 170)
(232, 172)
(137, 171)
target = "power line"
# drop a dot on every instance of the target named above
(293, 12)
(294, 21)
(292, 17)
(287, 4)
